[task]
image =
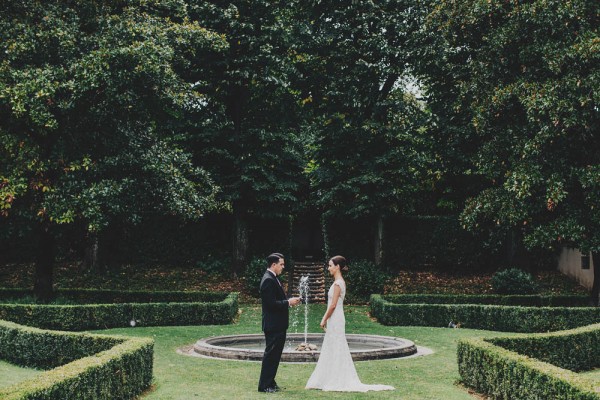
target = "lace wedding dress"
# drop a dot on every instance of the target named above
(335, 369)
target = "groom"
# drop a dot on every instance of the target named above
(274, 321)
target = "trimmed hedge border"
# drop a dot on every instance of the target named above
(484, 312)
(168, 309)
(85, 366)
(97, 296)
(491, 299)
(533, 366)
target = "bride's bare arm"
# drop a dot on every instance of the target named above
(336, 295)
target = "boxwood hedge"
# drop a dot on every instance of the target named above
(493, 312)
(492, 299)
(83, 366)
(164, 308)
(539, 366)
(98, 296)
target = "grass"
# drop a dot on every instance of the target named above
(11, 374)
(184, 377)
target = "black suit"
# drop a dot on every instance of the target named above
(275, 321)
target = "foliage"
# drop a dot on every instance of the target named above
(253, 275)
(576, 350)
(100, 296)
(368, 157)
(524, 78)
(214, 265)
(99, 92)
(251, 144)
(513, 281)
(436, 242)
(93, 97)
(85, 365)
(507, 368)
(491, 299)
(173, 309)
(364, 279)
(478, 316)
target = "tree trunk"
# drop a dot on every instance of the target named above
(43, 286)
(379, 240)
(90, 258)
(289, 254)
(594, 299)
(240, 241)
(517, 255)
(325, 237)
(109, 252)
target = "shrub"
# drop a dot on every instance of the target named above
(364, 279)
(253, 275)
(513, 281)
(84, 366)
(481, 316)
(519, 367)
(175, 308)
(576, 349)
(106, 296)
(491, 299)
(214, 265)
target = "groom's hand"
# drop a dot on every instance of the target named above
(294, 301)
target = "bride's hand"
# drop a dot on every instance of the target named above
(324, 325)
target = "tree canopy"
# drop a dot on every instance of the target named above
(528, 75)
(112, 111)
(91, 97)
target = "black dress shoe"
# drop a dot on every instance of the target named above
(269, 390)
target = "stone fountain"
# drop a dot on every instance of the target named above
(251, 347)
(301, 347)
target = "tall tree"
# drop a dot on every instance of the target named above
(251, 145)
(369, 157)
(91, 100)
(529, 76)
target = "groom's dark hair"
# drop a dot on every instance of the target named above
(273, 259)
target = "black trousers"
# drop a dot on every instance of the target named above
(270, 362)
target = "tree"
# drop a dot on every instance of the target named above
(369, 158)
(251, 145)
(528, 75)
(91, 98)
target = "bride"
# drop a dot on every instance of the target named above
(335, 370)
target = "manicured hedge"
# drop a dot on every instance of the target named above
(515, 367)
(433, 310)
(101, 296)
(85, 366)
(491, 299)
(576, 350)
(104, 316)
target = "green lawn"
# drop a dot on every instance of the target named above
(11, 374)
(184, 377)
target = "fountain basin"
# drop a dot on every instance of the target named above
(251, 347)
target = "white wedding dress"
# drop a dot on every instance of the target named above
(335, 369)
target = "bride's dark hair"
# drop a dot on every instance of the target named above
(340, 261)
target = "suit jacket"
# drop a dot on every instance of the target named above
(275, 306)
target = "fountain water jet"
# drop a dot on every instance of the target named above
(303, 288)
